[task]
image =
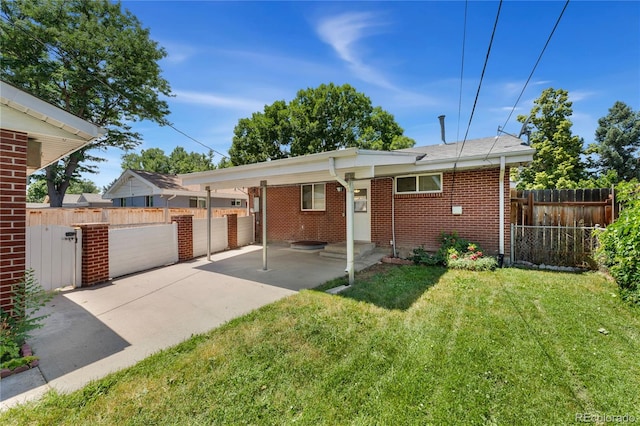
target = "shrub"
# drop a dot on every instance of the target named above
(422, 257)
(619, 248)
(470, 258)
(15, 327)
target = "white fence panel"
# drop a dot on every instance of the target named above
(245, 230)
(140, 248)
(55, 255)
(219, 238)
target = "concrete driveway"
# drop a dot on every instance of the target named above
(94, 331)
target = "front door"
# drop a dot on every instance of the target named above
(362, 210)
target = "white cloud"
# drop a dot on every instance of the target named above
(580, 95)
(219, 101)
(343, 32)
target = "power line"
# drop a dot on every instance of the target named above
(62, 54)
(464, 40)
(475, 102)
(532, 71)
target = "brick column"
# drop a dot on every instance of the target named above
(232, 230)
(185, 236)
(95, 253)
(13, 210)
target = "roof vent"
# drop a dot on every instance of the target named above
(441, 118)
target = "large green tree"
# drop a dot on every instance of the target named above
(557, 162)
(319, 119)
(90, 58)
(617, 143)
(179, 161)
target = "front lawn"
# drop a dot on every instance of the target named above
(404, 345)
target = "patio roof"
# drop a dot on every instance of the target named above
(53, 133)
(367, 164)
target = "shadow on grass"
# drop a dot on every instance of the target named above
(389, 286)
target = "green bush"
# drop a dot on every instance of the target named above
(619, 248)
(455, 252)
(15, 327)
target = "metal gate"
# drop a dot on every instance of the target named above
(55, 255)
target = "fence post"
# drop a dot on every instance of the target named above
(95, 253)
(512, 248)
(185, 236)
(232, 231)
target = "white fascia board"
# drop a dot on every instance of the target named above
(48, 113)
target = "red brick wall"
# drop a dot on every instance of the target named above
(13, 199)
(185, 236)
(420, 218)
(95, 253)
(286, 222)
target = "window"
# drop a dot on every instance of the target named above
(313, 196)
(148, 201)
(198, 202)
(236, 203)
(419, 184)
(121, 202)
(360, 200)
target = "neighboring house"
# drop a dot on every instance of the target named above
(80, 200)
(33, 134)
(139, 188)
(401, 199)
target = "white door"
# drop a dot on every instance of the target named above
(362, 211)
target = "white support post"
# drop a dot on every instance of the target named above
(501, 206)
(350, 219)
(263, 185)
(208, 188)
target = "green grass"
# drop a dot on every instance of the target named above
(404, 345)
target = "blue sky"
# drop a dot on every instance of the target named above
(227, 60)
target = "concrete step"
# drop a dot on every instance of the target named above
(339, 250)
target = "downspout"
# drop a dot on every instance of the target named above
(166, 208)
(350, 218)
(393, 219)
(501, 215)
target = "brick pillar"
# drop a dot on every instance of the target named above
(13, 210)
(185, 236)
(232, 230)
(95, 253)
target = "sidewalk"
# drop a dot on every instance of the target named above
(94, 331)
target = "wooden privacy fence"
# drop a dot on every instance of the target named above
(554, 245)
(118, 215)
(563, 207)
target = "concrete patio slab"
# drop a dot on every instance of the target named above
(94, 331)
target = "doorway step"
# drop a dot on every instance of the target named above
(339, 250)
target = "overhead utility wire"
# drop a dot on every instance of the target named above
(475, 102)
(532, 71)
(464, 41)
(62, 54)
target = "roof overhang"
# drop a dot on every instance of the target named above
(53, 133)
(363, 164)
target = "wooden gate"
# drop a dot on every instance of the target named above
(55, 254)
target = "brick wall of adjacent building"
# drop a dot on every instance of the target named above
(421, 218)
(95, 253)
(185, 236)
(13, 204)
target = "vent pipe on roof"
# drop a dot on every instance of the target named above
(441, 118)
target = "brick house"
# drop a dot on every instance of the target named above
(34, 134)
(140, 188)
(398, 200)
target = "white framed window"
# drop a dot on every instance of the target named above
(419, 184)
(312, 196)
(198, 202)
(148, 201)
(236, 203)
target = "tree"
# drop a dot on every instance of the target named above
(326, 118)
(83, 186)
(90, 58)
(557, 162)
(37, 191)
(617, 143)
(179, 161)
